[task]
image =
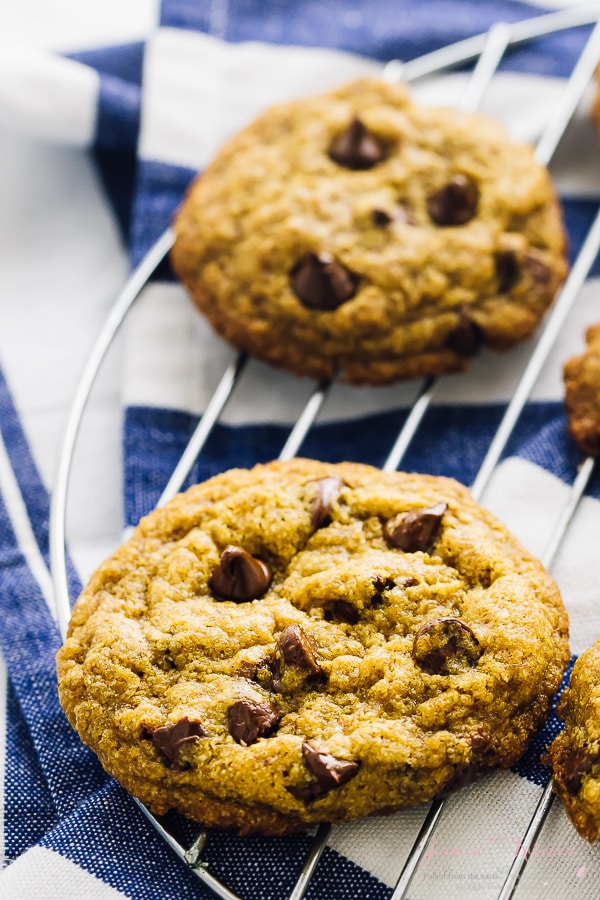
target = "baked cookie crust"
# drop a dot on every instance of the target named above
(582, 394)
(305, 642)
(357, 234)
(575, 754)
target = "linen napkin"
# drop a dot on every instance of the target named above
(149, 116)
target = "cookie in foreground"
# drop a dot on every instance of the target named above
(358, 234)
(575, 754)
(305, 642)
(582, 394)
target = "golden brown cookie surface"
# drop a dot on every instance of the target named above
(582, 394)
(307, 642)
(575, 753)
(358, 233)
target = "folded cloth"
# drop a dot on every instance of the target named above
(130, 125)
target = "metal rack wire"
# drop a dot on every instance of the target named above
(488, 49)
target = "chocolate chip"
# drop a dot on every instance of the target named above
(382, 584)
(415, 530)
(537, 268)
(248, 720)
(328, 490)
(573, 764)
(507, 270)
(356, 147)
(296, 648)
(400, 213)
(239, 576)
(467, 337)
(170, 739)
(340, 610)
(328, 771)
(321, 282)
(479, 741)
(381, 218)
(455, 203)
(445, 645)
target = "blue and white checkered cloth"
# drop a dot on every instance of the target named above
(96, 148)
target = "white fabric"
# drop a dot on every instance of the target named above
(45, 875)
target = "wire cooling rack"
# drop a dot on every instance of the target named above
(485, 52)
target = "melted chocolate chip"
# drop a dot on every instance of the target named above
(328, 771)
(400, 214)
(356, 147)
(507, 270)
(296, 648)
(321, 282)
(445, 645)
(381, 218)
(340, 610)
(328, 490)
(573, 765)
(467, 337)
(239, 576)
(415, 530)
(247, 720)
(170, 739)
(455, 203)
(479, 741)
(537, 268)
(381, 584)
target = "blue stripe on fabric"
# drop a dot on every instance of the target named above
(29, 641)
(28, 807)
(160, 189)
(403, 31)
(109, 837)
(121, 61)
(451, 441)
(33, 491)
(117, 123)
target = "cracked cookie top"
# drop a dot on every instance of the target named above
(358, 234)
(306, 642)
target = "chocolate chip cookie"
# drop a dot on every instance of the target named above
(582, 394)
(357, 234)
(305, 642)
(575, 754)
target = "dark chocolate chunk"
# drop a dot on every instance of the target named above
(321, 282)
(382, 584)
(340, 610)
(445, 645)
(240, 576)
(356, 147)
(573, 764)
(537, 268)
(455, 203)
(507, 270)
(247, 720)
(328, 771)
(297, 648)
(381, 218)
(467, 337)
(328, 490)
(415, 530)
(399, 213)
(479, 741)
(170, 739)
